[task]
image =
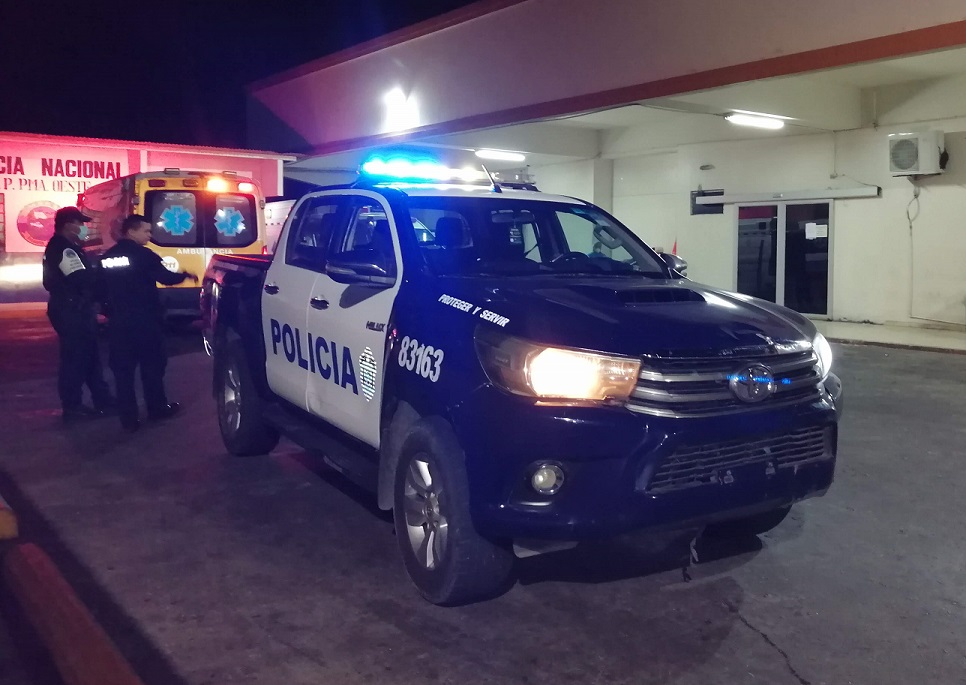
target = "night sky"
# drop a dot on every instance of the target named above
(173, 71)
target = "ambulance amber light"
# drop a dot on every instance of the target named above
(245, 187)
(217, 185)
(190, 182)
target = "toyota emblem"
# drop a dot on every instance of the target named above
(752, 384)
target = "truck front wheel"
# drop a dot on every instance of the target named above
(445, 557)
(243, 430)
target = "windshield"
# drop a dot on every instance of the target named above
(506, 236)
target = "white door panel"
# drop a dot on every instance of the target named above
(347, 390)
(284, 326)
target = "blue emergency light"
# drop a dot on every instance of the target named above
(419, 170)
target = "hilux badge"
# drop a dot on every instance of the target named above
(752, 384)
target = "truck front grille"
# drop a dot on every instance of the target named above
(707, 464)
(696, 386)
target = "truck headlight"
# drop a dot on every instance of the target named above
(543, 371)
(824, 352)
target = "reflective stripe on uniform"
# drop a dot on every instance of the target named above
(70, 262)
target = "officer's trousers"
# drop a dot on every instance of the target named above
(133, 346)
(80, 360)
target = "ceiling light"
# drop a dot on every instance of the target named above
(501, 155)
(756, 120)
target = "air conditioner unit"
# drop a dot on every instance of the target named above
(912, 154)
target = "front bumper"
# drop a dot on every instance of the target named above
(617, 464)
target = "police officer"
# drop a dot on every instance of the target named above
(131, 273)
(71, 280)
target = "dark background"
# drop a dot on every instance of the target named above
(172, 71)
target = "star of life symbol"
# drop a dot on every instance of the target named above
(229, 222)
(177, 220)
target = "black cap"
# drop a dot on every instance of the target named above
(65, 214)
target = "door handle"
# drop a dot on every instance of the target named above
(271, 288)
(319, 303)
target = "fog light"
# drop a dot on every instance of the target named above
(547, 479)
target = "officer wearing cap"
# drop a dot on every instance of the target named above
(71, 280)
(131, 272)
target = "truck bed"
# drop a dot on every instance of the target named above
(240, 262)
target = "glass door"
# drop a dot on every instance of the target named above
(783, 254)
(757, 251)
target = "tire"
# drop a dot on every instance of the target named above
(748, 526)
(243, 430)
(447, 560)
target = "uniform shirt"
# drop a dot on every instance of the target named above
(69, 276)
(131, 273)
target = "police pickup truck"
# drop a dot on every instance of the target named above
(512, 371)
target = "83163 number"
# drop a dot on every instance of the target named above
(425, 360)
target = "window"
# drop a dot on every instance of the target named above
(233, 221)
(174, 219)
(312, 229)
(367, 236)
(578, 231)
(510, 236)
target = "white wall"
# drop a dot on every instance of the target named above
(878, 275)
(462, 75)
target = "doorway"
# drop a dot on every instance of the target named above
(783, 254)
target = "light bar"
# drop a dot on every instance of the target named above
(501, 155)
(403, 169)
(755, 120)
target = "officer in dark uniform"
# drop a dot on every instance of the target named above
(71, 280)
(131, 273)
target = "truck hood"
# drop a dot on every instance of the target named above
(628, 316)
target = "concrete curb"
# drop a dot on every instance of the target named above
(896, 346)
(81, 650)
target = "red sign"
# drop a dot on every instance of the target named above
(37, 180)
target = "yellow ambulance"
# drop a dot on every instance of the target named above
(194, 215)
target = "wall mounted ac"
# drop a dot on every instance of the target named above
(912, 154)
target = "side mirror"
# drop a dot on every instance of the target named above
(675, 263)
(352, 269)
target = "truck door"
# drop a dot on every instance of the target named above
(350, 322)
(289, 284)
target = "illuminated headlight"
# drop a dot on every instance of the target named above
(824, 352)
(541, 371)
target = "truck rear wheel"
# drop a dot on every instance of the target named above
(243, 430)
(748, 526)
(446, 558)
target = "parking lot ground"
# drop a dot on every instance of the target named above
(210, 569)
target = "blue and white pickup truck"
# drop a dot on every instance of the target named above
(512, 371)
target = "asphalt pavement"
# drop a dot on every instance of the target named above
(210, 569)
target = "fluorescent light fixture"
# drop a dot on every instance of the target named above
(755, 120)
(501, 155)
